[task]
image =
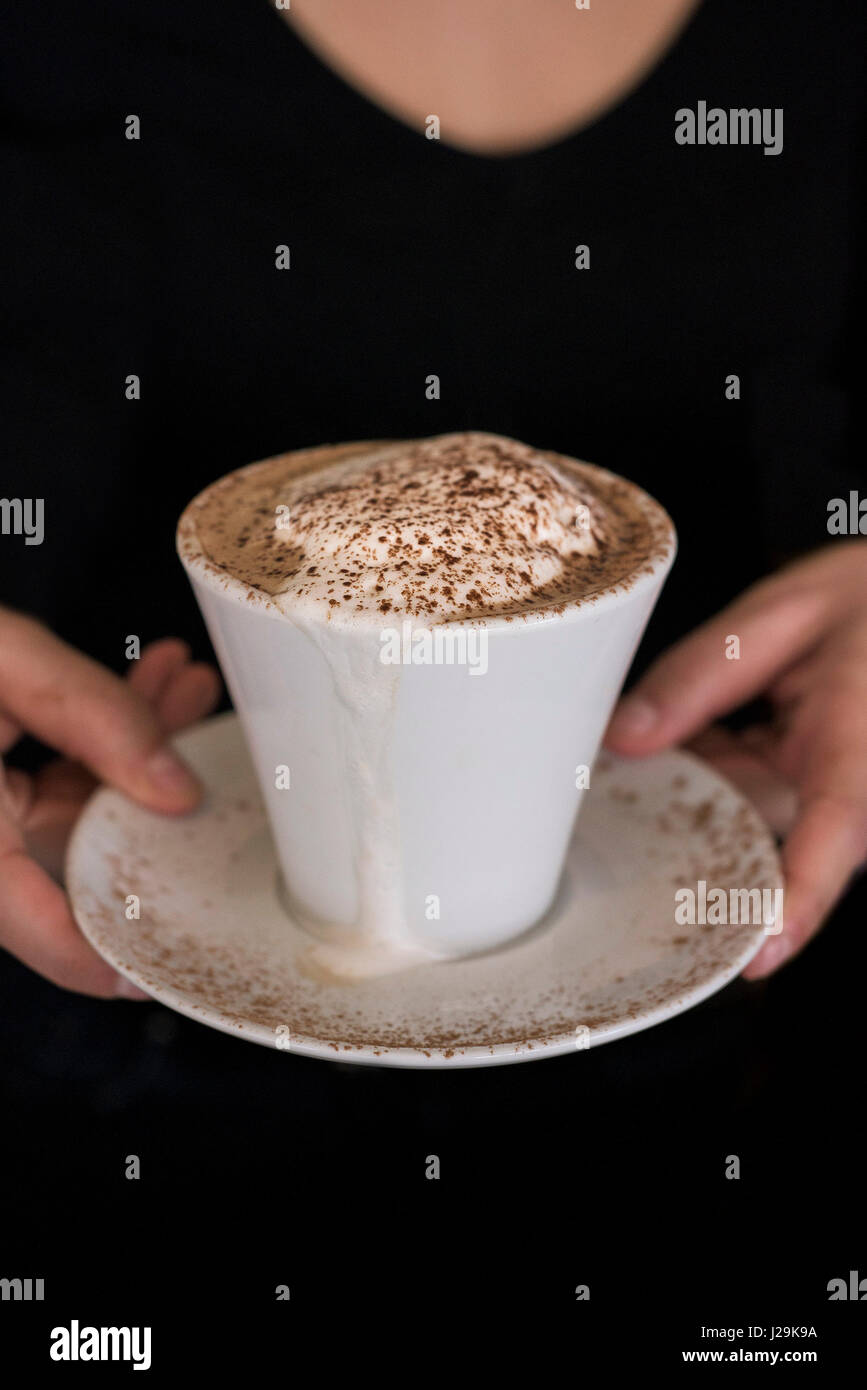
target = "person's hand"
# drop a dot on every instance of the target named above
(803, 645)
(109, 730)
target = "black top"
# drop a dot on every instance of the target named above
(156, 257)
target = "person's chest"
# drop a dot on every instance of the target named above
(498, 75)
(316, 263)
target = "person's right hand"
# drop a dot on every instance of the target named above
(109, 730)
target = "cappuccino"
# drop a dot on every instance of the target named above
(460, 527)
(351, 592)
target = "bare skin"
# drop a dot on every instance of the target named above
(106, 729)
(503, 76)
(803, 645)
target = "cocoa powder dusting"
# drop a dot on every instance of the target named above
(458, 527)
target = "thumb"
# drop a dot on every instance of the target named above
(724, 663)
(91, 715)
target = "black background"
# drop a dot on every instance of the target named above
(605, 1168)
(259, 1169)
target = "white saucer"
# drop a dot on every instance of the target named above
(213, 942)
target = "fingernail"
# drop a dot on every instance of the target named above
(125, 989)
(168, 773)
(635, 716)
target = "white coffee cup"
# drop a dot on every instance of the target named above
(437, 823)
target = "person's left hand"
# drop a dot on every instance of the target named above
(803, 645)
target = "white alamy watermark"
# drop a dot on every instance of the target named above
(855, 1288)
(23, 516)
(439, 646)
(22, 1290)
(717, 907)
(76, 1343)
(740, 125)
(847, 516)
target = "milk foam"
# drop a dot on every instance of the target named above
(380, 940)
(455, 526)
